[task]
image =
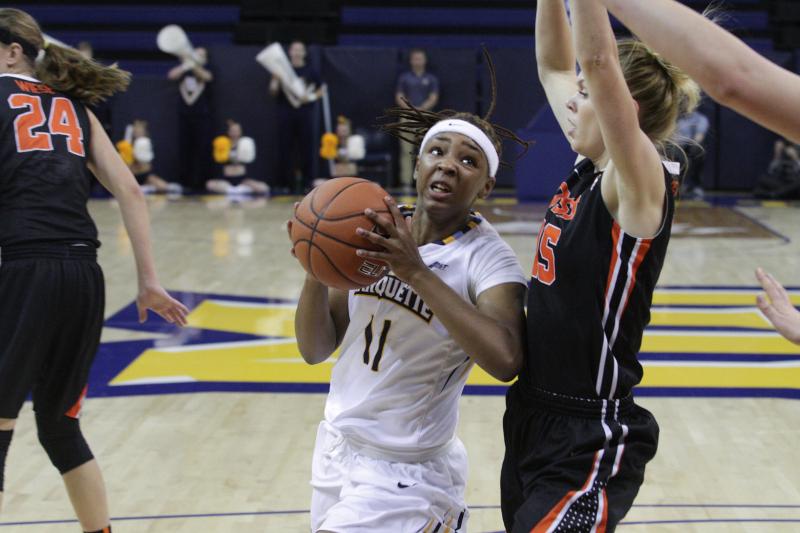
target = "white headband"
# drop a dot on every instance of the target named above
(469, 130)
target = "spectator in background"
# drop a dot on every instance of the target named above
(85, 48)
(692, 130)
(232, 152)
(350, 149)
(136, 150)
(421, 89)
(102, 110)
(785, 155)
(194, 116)
(296, 145)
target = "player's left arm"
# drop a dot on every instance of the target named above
(112, 172)
(637, 186)
(490, 331)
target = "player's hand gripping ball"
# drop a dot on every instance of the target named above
(323, 232)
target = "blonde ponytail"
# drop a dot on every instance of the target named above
(64, 69)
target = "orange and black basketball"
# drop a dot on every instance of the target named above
(324, 232)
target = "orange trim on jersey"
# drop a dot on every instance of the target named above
(545, 523)
(601, 527)
(75, 410)
(614, 257)
(644, 247)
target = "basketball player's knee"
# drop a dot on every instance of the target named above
(63, 441)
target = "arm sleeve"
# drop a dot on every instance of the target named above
(494, 263)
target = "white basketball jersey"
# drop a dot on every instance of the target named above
(396, 385)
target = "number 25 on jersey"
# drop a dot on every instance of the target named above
(544, 262)
(63, 120)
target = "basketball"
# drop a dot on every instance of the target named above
(324, 232)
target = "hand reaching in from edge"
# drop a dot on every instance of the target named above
(777, 307)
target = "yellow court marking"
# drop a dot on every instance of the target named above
(272, 320)
(712, 297)
(710, 342)
(694, 375)
(279, 361)
(248, 361)
(730, 375)
(710, 318)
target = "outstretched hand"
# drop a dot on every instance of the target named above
(400, 250)
(777, 307)
(155, 298)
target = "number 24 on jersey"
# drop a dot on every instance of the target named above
(63, 120)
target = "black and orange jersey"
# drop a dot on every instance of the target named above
(44, 178)
(590, 294)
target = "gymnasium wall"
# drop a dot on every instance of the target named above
(362, 82)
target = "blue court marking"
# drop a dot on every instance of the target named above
(473, 507)
(114, 357)
(718, 357)
(784, 238)
(714, 392)
(158, 517)
(727, 288)
(670, 392)
(712, 329)
(128, 317)
(714, 521)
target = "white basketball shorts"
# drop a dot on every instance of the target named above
(355, 493)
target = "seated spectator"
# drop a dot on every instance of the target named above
(137, 151)
(350, 149)
(785, 156)
(232, 152)
(692, 130)
(782, 179)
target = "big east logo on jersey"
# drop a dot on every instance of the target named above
(563, 205)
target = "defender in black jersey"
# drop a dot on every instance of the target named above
(576, 443)
(51, 286)
(768, 95)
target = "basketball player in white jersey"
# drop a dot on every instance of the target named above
(387, 457)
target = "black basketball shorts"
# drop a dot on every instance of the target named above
(572, 464)
(52, 300)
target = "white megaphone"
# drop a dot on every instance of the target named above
(274, 60)
(173, 40)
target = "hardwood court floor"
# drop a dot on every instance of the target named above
(237, 456)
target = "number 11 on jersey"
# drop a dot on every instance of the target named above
(376, 361)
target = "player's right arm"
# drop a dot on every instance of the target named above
(555, 58)
(320, 321)
(726, 68)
